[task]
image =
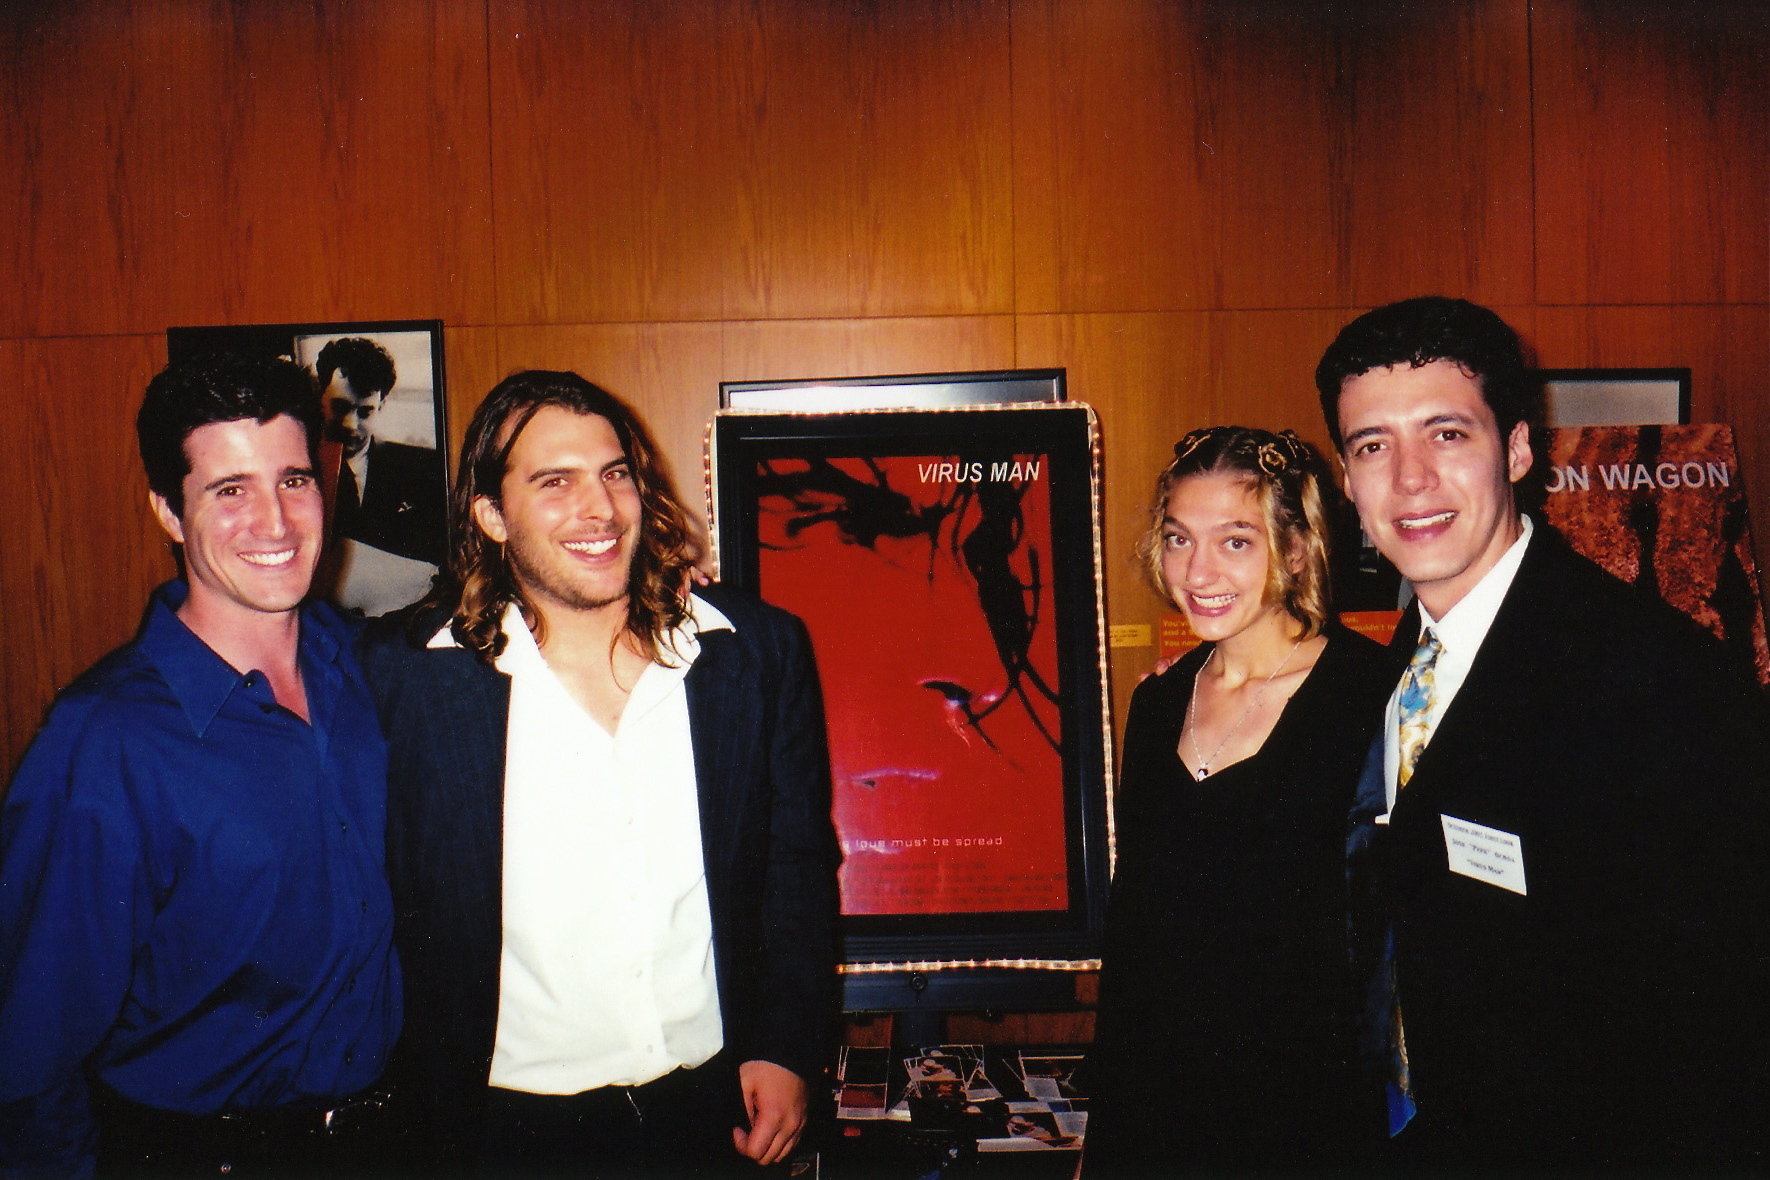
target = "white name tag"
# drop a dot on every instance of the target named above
(1484, 853)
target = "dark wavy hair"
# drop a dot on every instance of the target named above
(365, 364)
(1416, 332)
(477, 584)
(217, 387)
(1290, 483)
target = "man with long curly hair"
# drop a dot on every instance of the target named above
(609, 821)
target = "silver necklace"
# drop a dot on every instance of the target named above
(1204, 766)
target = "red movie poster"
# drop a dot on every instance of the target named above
(926, 583)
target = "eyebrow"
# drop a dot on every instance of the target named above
(246, 476)
(1248, 525)
(1361, 434)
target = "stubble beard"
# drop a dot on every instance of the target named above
(537, 581)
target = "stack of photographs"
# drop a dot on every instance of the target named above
(863, 1074)
(948, 1085)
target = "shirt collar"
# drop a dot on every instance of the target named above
(1466, 624)
(200, 680)
(703, 616)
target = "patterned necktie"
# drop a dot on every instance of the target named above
(1415, 715)
(1415, 711)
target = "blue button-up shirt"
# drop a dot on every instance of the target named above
(192, 898)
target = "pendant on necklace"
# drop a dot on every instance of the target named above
(1202, 771)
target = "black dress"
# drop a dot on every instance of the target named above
(1226, 1019)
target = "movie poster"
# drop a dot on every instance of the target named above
(926, 582)
(1662, 507)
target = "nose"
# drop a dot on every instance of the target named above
(1201, 565)
(273, 517)
(595, 503)
(1413, 469)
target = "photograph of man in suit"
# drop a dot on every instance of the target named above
(1565, 808)
(610, 840)
(196, 964)
(388, 508)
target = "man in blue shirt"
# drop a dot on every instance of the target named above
(196, 970)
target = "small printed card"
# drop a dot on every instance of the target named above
(1484, 853)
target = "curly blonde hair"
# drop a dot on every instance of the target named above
(1288, 477)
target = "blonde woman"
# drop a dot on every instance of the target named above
(1226, 1021)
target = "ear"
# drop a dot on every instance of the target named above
(168, 519)
(490, 520)
(1518, 456)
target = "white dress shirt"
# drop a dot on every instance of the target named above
(1460, 634)
(607, 973)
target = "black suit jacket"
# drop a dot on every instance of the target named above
(762, 768)
(404, 506)
(1614, 1012)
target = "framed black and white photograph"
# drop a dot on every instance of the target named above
(383, 447)
(1615, 397)
(947, 564)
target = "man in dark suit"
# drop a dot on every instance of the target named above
(1565, 810)
(609, 820)
(389, 496)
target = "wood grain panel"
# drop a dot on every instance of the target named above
(1265, 154)
(82, 551)
(1726, 349)
(668, 373)
(1652, 151)
(879, 174)
(765, 350)
(1438, 176)
(727, 158)
(473, 366)
(188, 162)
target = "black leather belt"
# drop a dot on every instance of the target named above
(135, 1139)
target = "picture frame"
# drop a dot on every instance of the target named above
(1615, 397)
(901, 391)
(948, 566)
(383, 453)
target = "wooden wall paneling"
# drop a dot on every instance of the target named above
(82, 550)
(668, 373)
(1111, 194)
(877, 161)
(1436, 173)
(765, 350)
(1177, 155)
(1727, 350)
(84, 115)
(1652, 151)
(396, 197)
(472, 365)
(614, 179)
(184, 163)
(728, 159)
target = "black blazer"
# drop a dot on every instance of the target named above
(404, 506)
(762, 765)
(1613, 1013)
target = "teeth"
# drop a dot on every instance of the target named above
(280, 557)
(593, 548)
(1425, 522)
(1214, 601)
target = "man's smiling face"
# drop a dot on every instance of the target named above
(1431, 475)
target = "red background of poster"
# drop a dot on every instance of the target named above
(936, 814)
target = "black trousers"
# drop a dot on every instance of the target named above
(678, 1125)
